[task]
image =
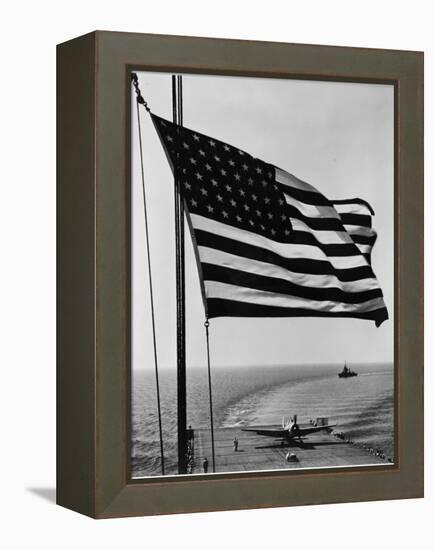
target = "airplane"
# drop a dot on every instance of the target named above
(290, 430)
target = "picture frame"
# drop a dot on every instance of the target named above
(94, 270)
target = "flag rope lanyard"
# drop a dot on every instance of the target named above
(141, 101)
(210, 393)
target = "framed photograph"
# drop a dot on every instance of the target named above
(240, 274)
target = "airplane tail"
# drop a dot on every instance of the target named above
(286, 425)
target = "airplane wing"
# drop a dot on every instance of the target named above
(270, 433)
(314, 429)
(300, 432)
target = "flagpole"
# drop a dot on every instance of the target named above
(180, 293)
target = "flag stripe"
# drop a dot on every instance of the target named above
(322, 236)
(312, 210)
(320, 224)
(297, 265)
(353, 221)
(295, 187)
(307, 197)
(286, 250)
(364, 248)
(218, 257)
(290, 180)
(362, 239)
(356, 219)
(360, 231)
(276, 285)
(218, 307)
(330, 250)
(353, 206)
(216, 289)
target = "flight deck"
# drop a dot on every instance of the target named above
(257, 452)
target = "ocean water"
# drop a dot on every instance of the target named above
(362, 407)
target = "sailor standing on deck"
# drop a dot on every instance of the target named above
(235, 444)
(205, 466)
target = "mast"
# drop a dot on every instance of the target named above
(180, 293)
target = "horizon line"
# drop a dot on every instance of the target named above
(173, 367)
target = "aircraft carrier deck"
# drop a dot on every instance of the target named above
(258, 452)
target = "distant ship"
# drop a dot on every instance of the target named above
(346, 372)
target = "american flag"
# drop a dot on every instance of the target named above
(269, 244)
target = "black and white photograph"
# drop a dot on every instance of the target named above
(262, 275)
(214, 264)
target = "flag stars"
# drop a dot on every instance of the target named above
(237, 190)
(221, 185)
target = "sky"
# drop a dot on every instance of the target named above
(336, 136)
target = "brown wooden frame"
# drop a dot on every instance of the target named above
(93, 373)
